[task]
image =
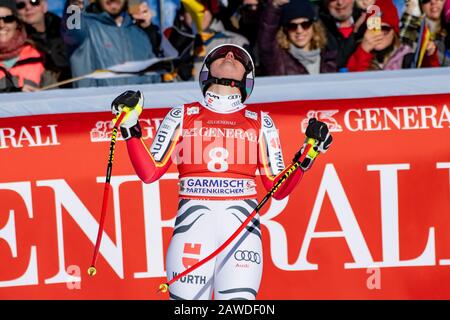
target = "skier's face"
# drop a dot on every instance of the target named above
(300, 32)
(113, 7)
(7, 28)
(227, 67)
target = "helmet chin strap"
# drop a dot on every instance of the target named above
(226, 82)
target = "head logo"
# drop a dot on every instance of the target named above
(324, 116)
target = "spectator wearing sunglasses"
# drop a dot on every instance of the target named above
(21, 65)
(43, 29)
(107, 36)
(299, 46)
(382, 50)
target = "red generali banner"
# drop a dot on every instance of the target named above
(370, 220)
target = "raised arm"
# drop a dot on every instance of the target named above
(149, 164)
(73, 25)
(270, 50)
(271, 164)
(270, 160)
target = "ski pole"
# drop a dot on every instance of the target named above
(92, 270)
(164, 287)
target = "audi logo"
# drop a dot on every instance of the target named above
(245, 255)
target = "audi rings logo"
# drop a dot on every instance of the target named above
(245, 255)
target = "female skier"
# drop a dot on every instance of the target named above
(217, 145)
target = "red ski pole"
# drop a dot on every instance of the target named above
(92, 270)
(164, 287)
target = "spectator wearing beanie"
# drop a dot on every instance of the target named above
(21, 65)
(292, 40)
(382, 50)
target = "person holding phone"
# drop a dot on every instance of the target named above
(382, 50)
(142, 15)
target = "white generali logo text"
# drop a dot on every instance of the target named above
(103, 130)
(381, 119)
(112, 250)
(29, 136)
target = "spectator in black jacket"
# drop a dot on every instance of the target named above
(43, 29)
(345, 26)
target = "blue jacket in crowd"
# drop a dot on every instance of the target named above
(99, 43)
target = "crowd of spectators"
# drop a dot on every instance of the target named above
(39, 49)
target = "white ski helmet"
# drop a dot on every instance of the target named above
(240, 54)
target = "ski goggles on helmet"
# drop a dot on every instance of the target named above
(238, 54)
